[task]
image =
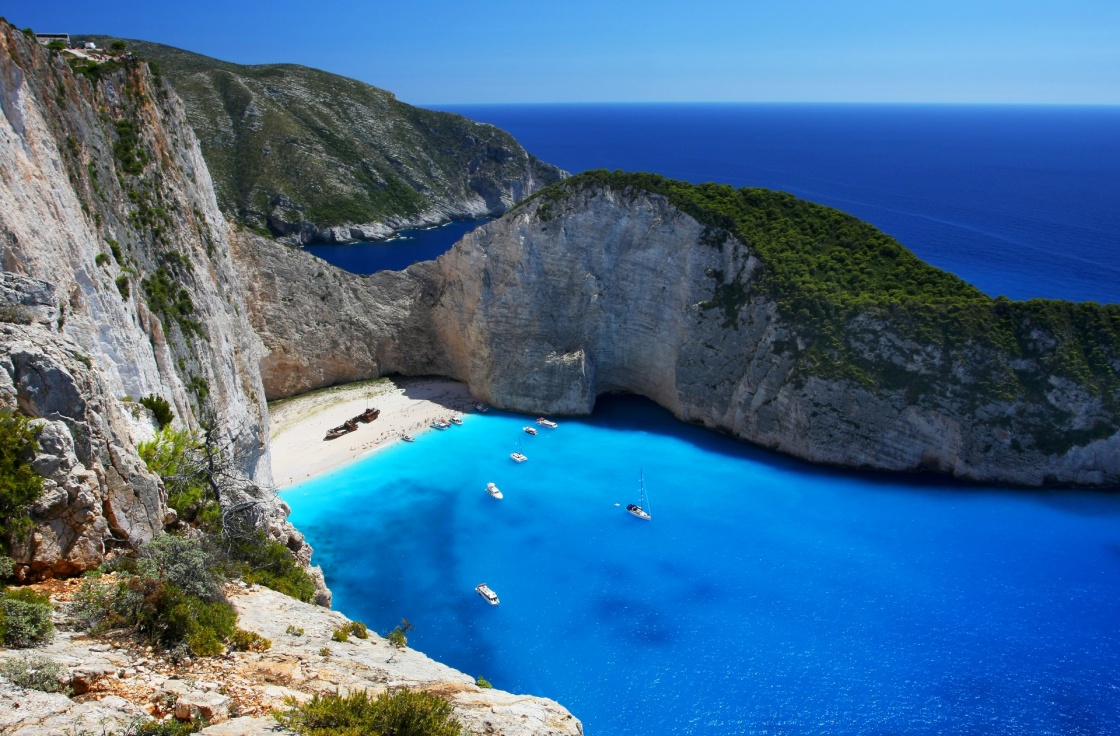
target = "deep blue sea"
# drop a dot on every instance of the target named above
(399, 253)
(1022, 201)
(766, 596)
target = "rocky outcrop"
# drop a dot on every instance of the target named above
(607, 290)
(96, 490)
(124, 683)
(117, 284)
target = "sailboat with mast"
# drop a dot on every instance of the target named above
(640, 509)
(518, 457)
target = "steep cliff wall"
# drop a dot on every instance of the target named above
(112, 244)
(598, 287)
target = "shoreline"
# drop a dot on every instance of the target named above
(297, 425)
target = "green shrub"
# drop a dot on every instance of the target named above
(122, 286)
(324, 651)
(115, 249)
(482, 682)
(20, 485)
(184, 563)
(294, 630)
(341, 634)
(169, 617)
(168, 728)
(101, 259)
(398, 636)
(171, 302)
(269, 563)
(177, 456)
(91, 605)
(171, 593)
(35, 673)
(404, 712)
(128, 149)
(249, 641)
(160, 408)
(25, 618)
(358, 630)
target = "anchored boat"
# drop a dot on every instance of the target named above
(487, 595)
(639, 509)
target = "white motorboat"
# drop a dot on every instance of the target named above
(640, 509)
(547, 423)
(408, 438)
(529, 430)
(456, 420)
(439, 424)
(493, 490)
(487, 595)
(482, 408)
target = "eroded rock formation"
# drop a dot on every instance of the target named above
(615, 290)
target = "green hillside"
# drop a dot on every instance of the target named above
(285, 143)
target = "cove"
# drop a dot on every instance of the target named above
(765, 596)
(397, 254)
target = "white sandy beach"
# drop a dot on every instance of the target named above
(408, 405)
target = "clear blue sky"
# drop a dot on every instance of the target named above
(457, 51)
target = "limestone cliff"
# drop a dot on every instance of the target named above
(115, 256)
(315, 157)
(600, 288)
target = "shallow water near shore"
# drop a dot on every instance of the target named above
(765, 596)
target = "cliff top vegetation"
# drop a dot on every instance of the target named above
(829, 272)
(298, 144)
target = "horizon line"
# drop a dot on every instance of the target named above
(879, 103)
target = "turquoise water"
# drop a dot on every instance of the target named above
(765, 596)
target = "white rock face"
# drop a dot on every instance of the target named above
(103, 192)
(619, 293)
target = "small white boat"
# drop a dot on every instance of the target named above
(488, 595)
(440, 424)
(518, 457)
(529, 430)
(408, 438)
(546, 423)
(456, 420)
(639, 509)
(493, 490)
(481, 408)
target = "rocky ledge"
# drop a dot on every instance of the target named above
(118, 682)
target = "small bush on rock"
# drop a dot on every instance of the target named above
(405, 711)
(341, 634)
(398, 636)
(178, 457)
(161, 409)
(25, 618)
(35, 673)
(358, 629)
(249, 641)
(267, 562)
(171, 593)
